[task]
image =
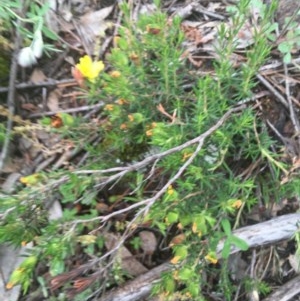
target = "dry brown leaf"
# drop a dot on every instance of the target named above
(148, 242)
(53, 100)
(37, 76)
(128, 263)
(177, 240)
(29, 107)
(93, 24)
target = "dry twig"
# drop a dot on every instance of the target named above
(11, 98)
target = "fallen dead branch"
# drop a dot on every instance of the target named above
(286, 291)
(266, 233)
(262, 234)
(48, 83)
(138, 288)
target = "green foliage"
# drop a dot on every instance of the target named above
(148, 112)
(231, 240)
(290, 43)
(2, 134)
(261, 287)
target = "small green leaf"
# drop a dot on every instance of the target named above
(210, 220)
(193, 289)
(50, 34)
(181, 251)
(172, 217)
(169, 285)
(239, 243)
(226, 249)
(226, 226)
(287, 58)
(185, 274)
(45, 121)
(57, 266)
(185, 220)
(284, 47)
(66, 118)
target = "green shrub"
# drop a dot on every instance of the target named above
(173, 151)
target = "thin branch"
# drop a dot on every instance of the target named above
(170, 151)
(295, 121)
(124, 170)
(48, 83)
(273, 90)
(71, 110)
(11, 98)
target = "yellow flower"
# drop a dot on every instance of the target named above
(194, 228)
(87, 239)
(186, 156)
(170, 190)
(175, 259)
(109, 107)
(115, 74)
(88, 68)
(10, 285)
(188, 294)
(180, 226)
(130, 117)
(135, 58)
(31, 180)
(237, 204)
(211, 258)
(121, 101)
(149, 133)
(116, 40)
(123, 126)
(175, 275)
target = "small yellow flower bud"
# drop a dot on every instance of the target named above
(115, 74)
(130, 117)
(109, 107)
(175, 259)
(123, 126)
(211, 259)
(237, 204)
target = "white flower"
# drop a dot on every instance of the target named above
(26, 57)
(37, 44)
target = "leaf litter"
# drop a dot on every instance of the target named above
(86, 31)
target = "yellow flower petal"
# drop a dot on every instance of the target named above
(211, 259)
(170, 190)
(10, 285)
(31, 179)
(130, 117)
(88, 68)
(109, 107)
(175, 259)
(115, 74)
(237, 204)
(121, 101)
(194, 228)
